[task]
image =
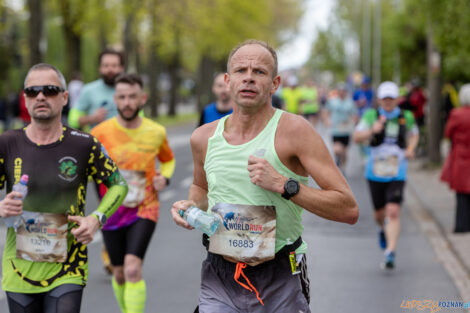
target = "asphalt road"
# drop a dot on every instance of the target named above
(343, 260)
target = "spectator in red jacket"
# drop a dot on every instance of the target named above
(456, 170)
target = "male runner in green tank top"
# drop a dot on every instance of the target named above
(251, 169)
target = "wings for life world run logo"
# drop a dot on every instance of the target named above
(32, 226)
(68, 168)
(236, 222)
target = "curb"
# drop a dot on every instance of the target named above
(441, 244)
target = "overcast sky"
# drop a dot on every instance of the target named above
(297, 51)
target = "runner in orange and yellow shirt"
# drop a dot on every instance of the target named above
(134, 143)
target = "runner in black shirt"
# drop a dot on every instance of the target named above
(45, 259)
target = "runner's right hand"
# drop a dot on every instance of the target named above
(11, 205)
(100, 115)
(379, 125)
(181, 205)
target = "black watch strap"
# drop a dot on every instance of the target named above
(291, 188)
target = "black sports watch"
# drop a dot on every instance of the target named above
(100, 217)
(291, 188)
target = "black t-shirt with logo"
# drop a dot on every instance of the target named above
(58, 172)
(58, 176)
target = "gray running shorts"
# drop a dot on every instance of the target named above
(279, 290)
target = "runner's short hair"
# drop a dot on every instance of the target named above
(464, 95)
(129, 78)
(120, 54)
(261, 43)
(46, 66)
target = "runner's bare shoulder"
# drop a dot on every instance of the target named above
(294, 128)
(201, 135)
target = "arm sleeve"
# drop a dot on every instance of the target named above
(74, 115)
(112, 199)
(167, 168)
(104, 171)
(167, 160)
(411, 126)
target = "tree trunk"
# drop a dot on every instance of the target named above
(173, 70)
(128, 41)
(154, 97)
(434, 126)
(35, 31)
(205, 76)
(175, 80)
(153, 66)
(73, 41)
(103, 40)
(73, 48)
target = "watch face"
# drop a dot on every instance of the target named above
(103, 219)
(292, 186)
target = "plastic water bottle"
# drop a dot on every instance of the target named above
(21, 187)
(201, 220)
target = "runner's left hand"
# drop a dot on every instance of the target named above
(159, 181)
(264, 175)
(410, 154)
(87, 227)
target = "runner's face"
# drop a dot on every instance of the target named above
(129, 100)
(220, 89)
(42, 108)
(388, 104)
(110, 68)
(250, 77)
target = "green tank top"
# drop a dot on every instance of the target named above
(229, 182)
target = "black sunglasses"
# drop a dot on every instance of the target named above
(47, 90)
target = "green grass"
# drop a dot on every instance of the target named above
(179, 119)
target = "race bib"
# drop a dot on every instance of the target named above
(42, 237)
(247, 233)
(136, 187)
(386, 166)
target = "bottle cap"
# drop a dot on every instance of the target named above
(24, 178)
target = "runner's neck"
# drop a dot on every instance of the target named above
(135, 123)
(242, 127)
(44, 134)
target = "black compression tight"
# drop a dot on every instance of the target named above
(66, 298)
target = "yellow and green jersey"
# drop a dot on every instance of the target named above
(58, 176)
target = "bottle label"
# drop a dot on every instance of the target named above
(247, 233)
(42, 237)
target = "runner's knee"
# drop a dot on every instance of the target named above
(393, 210)
(132, 268)
(380, 215)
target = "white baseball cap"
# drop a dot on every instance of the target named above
(387, 90)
